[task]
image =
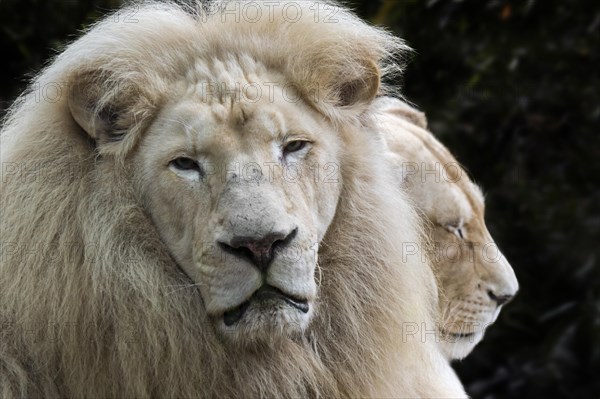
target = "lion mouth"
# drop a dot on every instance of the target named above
(264, 293)
(458, 335)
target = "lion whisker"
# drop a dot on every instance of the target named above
(182, 287)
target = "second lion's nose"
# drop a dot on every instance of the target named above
(500, 299)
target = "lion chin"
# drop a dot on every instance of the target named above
(268, 314)
(204, 212)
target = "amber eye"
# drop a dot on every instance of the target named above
(184, 163)
(294, 146)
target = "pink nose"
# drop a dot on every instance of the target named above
(259, 251)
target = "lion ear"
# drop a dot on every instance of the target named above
(338, 89)
(108, 112)
(349, 91)
(401, 109)
(96, 119)
(413, 116)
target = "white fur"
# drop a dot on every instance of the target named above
(118, 300)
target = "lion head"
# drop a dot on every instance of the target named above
(200, 210)
(474, 278)
(230, 186)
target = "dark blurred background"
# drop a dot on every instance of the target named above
(513, 89)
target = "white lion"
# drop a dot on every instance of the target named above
(474, 278)
(165, 204)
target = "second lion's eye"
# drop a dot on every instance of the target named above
(294, 146)
(185, 163)
(458, 229)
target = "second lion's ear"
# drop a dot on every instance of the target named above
(402, 109)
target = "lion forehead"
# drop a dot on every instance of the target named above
(434, 179)
(231, 76)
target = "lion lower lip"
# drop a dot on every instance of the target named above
(233, 316)
(462, 335)
(264, 293)
(268, 292)
(458, 335)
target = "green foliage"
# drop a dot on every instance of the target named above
(32, 31)
(510, 87)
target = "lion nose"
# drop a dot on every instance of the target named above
(260, 251)
(500, 299)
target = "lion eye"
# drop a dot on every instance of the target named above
(456, 229)
(184, 163)
(294, 146)
(459, 233)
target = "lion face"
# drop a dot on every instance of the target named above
(235, 192)
(475, 280)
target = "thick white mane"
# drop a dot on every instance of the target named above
(87, 287)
